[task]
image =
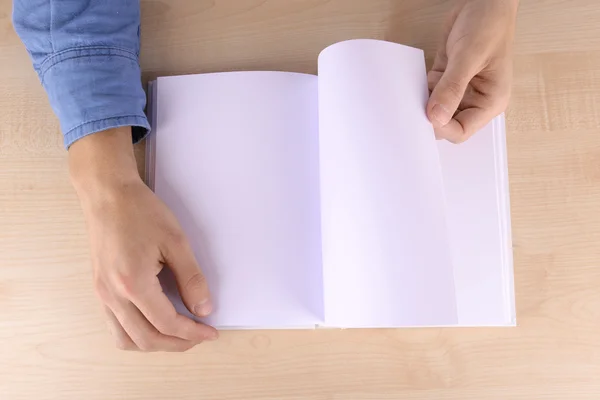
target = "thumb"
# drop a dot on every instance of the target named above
(448, 93)
(191, 282)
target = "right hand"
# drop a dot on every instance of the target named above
(133, 235)
(470, 80)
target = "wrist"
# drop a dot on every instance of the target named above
(103, 164)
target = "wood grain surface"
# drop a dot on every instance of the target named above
(53, 340)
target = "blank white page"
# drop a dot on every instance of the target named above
(237, 162)
(386, 259)
(476, 185)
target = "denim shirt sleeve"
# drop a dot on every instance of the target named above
(86, 54)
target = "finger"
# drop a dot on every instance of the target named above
(122, 339)
(448, 92)
(161, 313)
(191, 282)
(465, 124)
(433, 77)
(142, 333)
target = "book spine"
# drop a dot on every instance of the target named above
(151, 138)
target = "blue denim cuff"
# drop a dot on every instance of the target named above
(93, 89)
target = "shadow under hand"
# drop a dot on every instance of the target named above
(201, 248)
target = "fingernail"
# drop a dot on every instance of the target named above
(203, 308)
(441, 114)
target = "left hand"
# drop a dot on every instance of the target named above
(471, 77)
(133, 235)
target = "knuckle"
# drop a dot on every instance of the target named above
(181, 346)
(454, 89)
(193, 334)
(186, 347)
(146, 343)
(125, 345)
(188, 332)
(145, 347)
(177, 238)
(197, 280)
(167, 328)
(125, 283)
(145, 340)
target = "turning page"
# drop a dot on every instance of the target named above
(236, 159)
(386, 256)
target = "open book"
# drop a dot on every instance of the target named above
(326, 201)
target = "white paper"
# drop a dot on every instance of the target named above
(386, 258)
(237, 162)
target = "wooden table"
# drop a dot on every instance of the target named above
(53, 341)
